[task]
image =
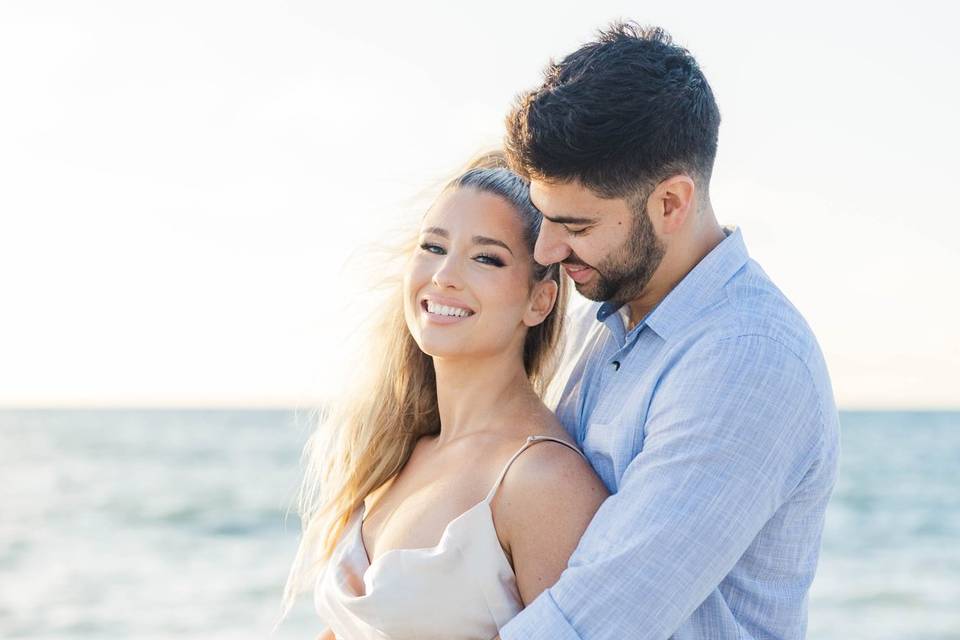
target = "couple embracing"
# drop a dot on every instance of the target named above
(656, 464)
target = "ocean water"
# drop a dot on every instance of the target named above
(172, 524)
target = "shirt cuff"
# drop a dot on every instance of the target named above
(541, 620)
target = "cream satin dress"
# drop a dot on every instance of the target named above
(461, 589)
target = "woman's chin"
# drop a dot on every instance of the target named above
(439, 348)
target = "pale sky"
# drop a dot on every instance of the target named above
(181, 183)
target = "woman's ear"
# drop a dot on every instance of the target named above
(542, 299)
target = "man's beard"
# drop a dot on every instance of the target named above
(624, 275)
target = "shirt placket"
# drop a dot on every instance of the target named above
(607, 381)
(602, 374)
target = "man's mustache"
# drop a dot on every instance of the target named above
(574, 261)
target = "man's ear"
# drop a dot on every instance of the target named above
(671, 203)
(542, 299)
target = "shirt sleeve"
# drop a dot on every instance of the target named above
(731, 430)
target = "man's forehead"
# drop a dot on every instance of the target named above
(570, 202)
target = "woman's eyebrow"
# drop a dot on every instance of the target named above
(476, 239)
(491, 241)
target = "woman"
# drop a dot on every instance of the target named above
(409, 508)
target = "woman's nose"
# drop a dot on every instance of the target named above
(447, 274)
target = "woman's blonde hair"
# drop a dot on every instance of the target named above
(368, 435)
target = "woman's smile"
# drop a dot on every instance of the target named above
(444, 310)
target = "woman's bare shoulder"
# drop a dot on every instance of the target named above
(547, 467)
(545, 477)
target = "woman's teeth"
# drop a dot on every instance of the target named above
(443, 310)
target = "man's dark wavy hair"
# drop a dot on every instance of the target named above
(619, 114)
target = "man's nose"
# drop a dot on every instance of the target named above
(550, 247)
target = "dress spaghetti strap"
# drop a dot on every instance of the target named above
(530, 440)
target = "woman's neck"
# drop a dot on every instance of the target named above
(474, 395)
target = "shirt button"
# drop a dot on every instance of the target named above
(616, 365)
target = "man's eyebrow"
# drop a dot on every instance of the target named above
(493, 241)
(437, 231)
(568, 219)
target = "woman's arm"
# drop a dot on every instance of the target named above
(546, 502)
(327, 635)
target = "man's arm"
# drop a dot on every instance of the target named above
(730, 433)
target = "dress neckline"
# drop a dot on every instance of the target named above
(443, 536)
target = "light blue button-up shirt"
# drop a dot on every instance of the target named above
(713, 425)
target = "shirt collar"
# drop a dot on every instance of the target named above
(700, 287)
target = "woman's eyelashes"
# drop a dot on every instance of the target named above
(482, 258)
(486, 258)
(432, 248)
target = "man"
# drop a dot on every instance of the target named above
(695, 388)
